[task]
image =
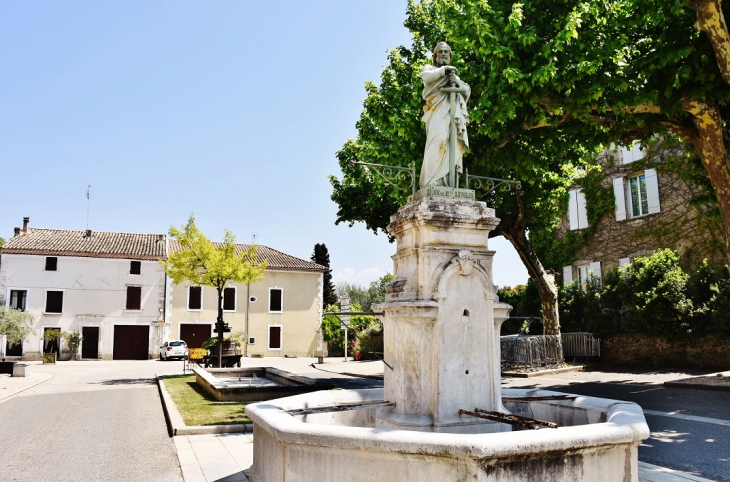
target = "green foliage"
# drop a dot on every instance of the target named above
(17, 325)
(652, 295)
(333, 333)
(365, 297)
(202, 262)
(2, 242)
(73, 339)
(321, 256)
(525, 301)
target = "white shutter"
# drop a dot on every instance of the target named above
(567, 275)
(652, 190)
(618, 192)
(582, 215)
(573, 210)
(594, 269)
(636, 153)
(624, 262)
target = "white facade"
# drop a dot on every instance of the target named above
(94, 295)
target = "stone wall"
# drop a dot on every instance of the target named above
(642, 350)
(677, 226)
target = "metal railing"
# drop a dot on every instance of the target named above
(581, 345)
(531, 352)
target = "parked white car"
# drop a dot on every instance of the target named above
(174, 349)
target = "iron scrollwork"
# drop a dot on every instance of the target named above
(393, 175)
(490, 184)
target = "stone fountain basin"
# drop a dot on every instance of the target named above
(253, 384)
(597, 441)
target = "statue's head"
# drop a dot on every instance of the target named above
(441, 54)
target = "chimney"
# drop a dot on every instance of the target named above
(25, 225)
(88, 233)
(17, 232)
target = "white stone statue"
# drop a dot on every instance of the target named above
(446, 118)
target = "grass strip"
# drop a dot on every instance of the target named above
(197, 407)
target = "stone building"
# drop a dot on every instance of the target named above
(107, 286)
(651, 210)
(285, 308)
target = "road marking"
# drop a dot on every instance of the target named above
(649, 390)
(692, 418)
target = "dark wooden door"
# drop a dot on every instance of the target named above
(131, 342)
(274, 337)
(90, 343)
(14, 350)
(194, 335)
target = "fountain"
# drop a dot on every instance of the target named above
(442, 414)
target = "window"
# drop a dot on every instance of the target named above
(134, 298)
(18, 299)
(638, 202)
(195, 298)
(274, 337)
(276, 296)
(581, 272)
(577, 216)
(135, 267)
(54, 301)
(229, 299)
(637, 195)
(632, 153)
(51, 263)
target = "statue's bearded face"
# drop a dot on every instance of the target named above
(442, 55)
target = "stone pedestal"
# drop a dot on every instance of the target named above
(442, 319)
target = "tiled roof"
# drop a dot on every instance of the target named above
(277, 260)
(56, 242)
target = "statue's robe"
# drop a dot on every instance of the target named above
(437, 118)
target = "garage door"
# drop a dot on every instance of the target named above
(195, 334)
(131, 342)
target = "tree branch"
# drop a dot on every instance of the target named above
(711, 21)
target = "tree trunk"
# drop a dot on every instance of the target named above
(710, 145)
(219, 325)
(544, 281)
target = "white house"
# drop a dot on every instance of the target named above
(108, 286)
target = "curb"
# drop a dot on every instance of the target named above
(176, 424)
(540, 373)
(698, 386)
(349, 374)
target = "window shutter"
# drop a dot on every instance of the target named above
(652, 190)
(618, 192)
(573, 210)
(567, 275)
(582, 214)
(624, 262)
(626, 157)
(636, 153)
(595, 269)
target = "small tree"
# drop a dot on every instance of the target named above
(204, 263)
(16, 325)
(73, 339)
(321, 256)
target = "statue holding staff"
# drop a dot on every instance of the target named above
(446, 118)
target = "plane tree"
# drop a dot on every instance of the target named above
(390, 132)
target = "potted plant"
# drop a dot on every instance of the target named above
(73, 339)
(51, 336)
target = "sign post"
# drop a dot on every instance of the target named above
(345, 308)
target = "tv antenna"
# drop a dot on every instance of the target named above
(88, 203)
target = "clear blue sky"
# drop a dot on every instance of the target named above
(232, 110)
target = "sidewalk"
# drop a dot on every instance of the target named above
(12, 386)
(228, 457)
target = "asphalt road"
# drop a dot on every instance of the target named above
(698, 444)
(94, 421)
